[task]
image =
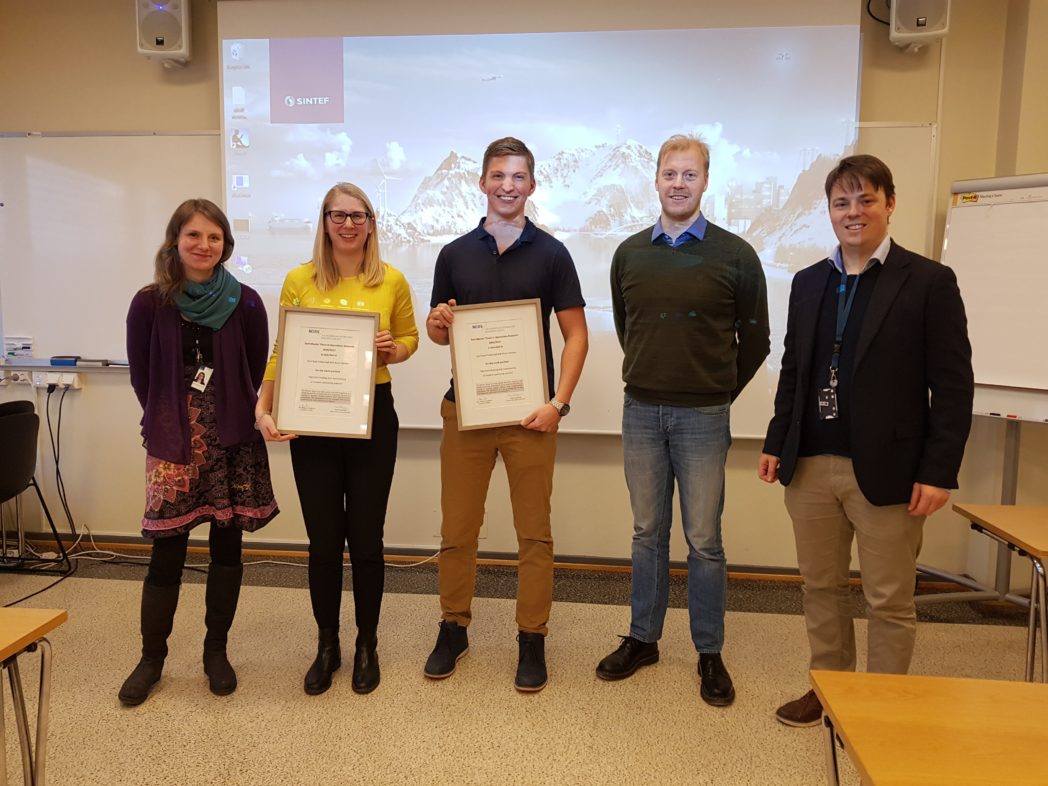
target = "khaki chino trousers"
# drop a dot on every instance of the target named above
(467, 459)
(828, 509)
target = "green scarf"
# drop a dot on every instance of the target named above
(209, 303)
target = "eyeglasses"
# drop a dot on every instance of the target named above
(339, 217)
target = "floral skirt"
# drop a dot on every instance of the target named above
(228, 487)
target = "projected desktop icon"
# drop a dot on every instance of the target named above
(238, 100)
(241, 185)
(239, 139)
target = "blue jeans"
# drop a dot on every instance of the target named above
(690, 444)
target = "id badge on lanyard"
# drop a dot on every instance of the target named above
(827, 396)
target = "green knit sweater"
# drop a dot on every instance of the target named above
(692, 320)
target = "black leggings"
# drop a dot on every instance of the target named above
(343, 487)
(169, 554)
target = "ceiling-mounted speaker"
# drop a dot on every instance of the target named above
(917, 22)
(163, 29)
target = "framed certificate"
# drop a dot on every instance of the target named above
(498, 363)
(326, 366)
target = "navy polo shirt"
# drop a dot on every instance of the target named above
(470, 270)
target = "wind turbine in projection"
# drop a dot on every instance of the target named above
(383, 191)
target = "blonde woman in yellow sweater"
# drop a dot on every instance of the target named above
(343, 484)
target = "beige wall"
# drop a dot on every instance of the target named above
(992, 114)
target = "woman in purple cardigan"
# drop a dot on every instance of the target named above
(197, 343)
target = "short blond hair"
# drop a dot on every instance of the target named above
(680, 142)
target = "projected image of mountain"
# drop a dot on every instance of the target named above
(798, 234)
(607, 189)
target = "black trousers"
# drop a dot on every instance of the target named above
(169, 554)
(343, 487)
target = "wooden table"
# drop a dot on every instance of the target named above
(901, 729)
(23, 630)
(1023, 528)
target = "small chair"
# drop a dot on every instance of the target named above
(18, 438)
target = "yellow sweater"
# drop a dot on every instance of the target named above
(391, 299)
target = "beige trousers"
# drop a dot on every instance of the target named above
(827, 509)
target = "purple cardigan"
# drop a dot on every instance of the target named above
(154, 355)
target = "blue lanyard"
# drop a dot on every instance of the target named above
(844, 307)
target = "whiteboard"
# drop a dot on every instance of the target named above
(81, 222)
(995, 243)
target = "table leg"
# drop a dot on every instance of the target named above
(18, 704)
(1042, 599)
(1031, 627)
(832, 774)
(43, 712)
(3, 735)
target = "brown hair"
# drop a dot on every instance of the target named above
(169, 275)
(680, 142)
(508, 146)
(326, 273)
(852, 170)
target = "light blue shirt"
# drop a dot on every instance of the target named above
(697, 231)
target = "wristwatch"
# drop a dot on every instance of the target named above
(562, 408)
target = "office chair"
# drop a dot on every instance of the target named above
(18, 433)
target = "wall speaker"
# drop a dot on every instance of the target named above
(163, 29)
(917, 22)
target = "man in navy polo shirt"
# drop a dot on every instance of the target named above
(505, 258)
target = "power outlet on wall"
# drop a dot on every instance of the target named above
(11, 377)
(63, 379)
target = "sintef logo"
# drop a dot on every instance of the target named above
(292, 101)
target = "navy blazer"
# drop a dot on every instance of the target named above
(912, 384)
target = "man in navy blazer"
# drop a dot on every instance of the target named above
(871, 416)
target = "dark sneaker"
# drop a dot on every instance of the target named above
(452, 644)
(531, 664)
(716, 687)
(630, 656)
(805, 711)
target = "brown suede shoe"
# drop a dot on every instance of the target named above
(805, 711)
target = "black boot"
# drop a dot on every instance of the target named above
(365, 664)
(220, 602)
(327, 662)
(158, 617)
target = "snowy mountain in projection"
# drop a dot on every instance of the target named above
(393, 230)
(605, 188)
(800, 233)
(448, 202)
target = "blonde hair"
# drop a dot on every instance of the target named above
(681, 142)
(326, 273)
(169, 274)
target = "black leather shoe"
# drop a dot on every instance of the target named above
(716, 687)
(365, 667)
(327, 662)
(140, 682)
(630, 656)
(452, 644)
(531, 662)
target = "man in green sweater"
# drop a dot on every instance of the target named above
(691, 311)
